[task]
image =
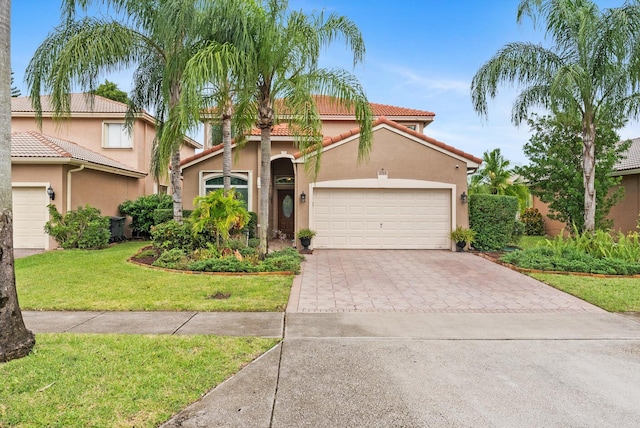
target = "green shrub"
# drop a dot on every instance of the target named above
(84, 228)
(251, 226)
(173, 259)
(163, 215)
(569, 260)
(254, 242)
(172, 235)
(285, 260)
(492, 217)
(142, 211)
(533, 222)
(518, 232)
(224, 264)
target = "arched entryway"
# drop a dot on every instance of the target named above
(283, 197)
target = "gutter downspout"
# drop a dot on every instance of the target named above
(69, 185)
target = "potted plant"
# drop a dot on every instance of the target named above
(462, 237)
(305, 235)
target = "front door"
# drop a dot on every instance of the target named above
(286, 216)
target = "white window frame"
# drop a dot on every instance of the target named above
(244, 175)
(124, 135)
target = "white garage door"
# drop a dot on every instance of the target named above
(29, 217)
(382, 218)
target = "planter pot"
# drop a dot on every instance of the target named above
(305, 243)
(460, 246)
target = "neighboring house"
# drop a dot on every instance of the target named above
(89, 158)
(406, 195)
(625, 213)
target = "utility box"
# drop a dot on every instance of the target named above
(116, 227)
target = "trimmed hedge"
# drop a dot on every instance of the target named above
(142, 211)
(493, 218)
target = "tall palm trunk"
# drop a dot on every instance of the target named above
(589, 173)
(175, 175)
(15, 340)
(226, 144)
(265, 189)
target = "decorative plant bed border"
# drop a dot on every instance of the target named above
(554, 272)
(192, 272)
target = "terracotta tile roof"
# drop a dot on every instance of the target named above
(280, 130)
(32, 144)
(383, 120)
(327, 106)
(80, 103)
(631, 158)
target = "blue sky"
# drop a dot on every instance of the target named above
(420, 54)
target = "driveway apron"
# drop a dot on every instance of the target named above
(421, 281)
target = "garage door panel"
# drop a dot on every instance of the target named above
(29, 217)
(382, 218)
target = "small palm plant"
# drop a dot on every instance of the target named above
(219, 213)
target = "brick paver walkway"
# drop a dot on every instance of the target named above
(422, 281)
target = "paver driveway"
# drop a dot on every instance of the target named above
(421, 281)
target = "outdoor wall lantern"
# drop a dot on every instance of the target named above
(463, 197)
(303, 198)
(51, 193)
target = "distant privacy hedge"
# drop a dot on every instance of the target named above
(492, 217)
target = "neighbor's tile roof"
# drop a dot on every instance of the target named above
(32, 144)
(328, 106)
(631, 158)
(80, 103)
(383, 120)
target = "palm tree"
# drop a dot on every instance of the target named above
(592, 69)
(15, 340)
(157, 39)
(497, 178)
(280, 61)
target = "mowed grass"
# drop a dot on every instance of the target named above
(83, 380)
(532, 241)
(103, 280)
(611, 294)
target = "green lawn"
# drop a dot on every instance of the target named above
(532, 241)
(83, 380)
(104, 280)
(611, 294)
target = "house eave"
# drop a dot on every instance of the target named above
(626, 172)
(76, 162)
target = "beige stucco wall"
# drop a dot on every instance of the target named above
(87, 132)
(333, 128)
(401, 157)
(98, 189)
(247, 161)
(625, 213)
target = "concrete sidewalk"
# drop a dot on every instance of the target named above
(416, 370)
(262, 324)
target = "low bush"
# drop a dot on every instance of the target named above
(172, 235)
(83, 228)
(162, 215)
(142, 211)
(223, 264)
(173, 259)
(533, 222)
(569, 260)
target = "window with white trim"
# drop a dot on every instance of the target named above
(238, 182)
(116, 136)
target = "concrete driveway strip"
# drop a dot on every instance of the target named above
(436, 383)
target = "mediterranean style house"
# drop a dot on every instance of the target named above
(88, 158)
(409, 194)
